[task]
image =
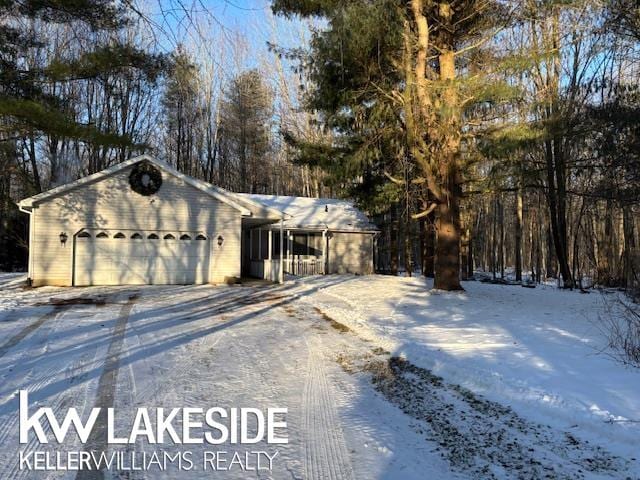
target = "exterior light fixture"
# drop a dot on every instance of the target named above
(220, 240)
(63, 238)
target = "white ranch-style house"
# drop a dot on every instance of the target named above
(143, 222)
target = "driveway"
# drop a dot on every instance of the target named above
(352, 411)
(202, 347)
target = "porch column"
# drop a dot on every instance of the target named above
(288, 252)
(281, 273)
(324, 252)
(270, 244)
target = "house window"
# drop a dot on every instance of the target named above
(185, 237)
(201, 237)
(102, 235)
(168, 236)
(136, 236)
(152, 236)
(119, 235)
(84, 235)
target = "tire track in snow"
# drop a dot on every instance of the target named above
(72, 374)
(177, 361)
(7, 427)
(126, 392)
(59, 405)
(33, 379)
(22, 334)
(105, 396)
(145, 381)
(325, 453)
(153, 392)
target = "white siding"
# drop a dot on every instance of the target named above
(351, 253)
(111, 204)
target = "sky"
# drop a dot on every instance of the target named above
(226, 37)
(221, 23)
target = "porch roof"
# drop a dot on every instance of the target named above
(315, 213)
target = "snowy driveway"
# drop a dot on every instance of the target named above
(352, 413)
(198, 347)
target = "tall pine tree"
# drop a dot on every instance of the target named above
(402, 81)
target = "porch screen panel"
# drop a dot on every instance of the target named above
(315, 244)
(275, 253)
(264, 244)
(300, 244)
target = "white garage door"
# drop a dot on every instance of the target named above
(134, 258)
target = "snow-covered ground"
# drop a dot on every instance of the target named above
(322, 348)
(200, 346)
(537, 350)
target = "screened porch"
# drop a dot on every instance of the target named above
(303, 252)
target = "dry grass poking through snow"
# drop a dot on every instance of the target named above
(479, 437)
(341, 327)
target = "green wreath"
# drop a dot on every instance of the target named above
(145, 179)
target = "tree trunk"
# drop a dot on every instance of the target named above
(446, 185)
(427, 243)
(431, 246)
(518, 239)
(555, 163)
(393, 241)
(447, 258)
(34, 165)
(408, 246)
(630, 251)
(551, 258)
(532, 245)
(447, 252)
(407, 225)
(501, 223)
(470, 256)
(605, 264)
(464, 255)
(492, 244)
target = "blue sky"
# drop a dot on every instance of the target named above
(227, 19)
(211, 31)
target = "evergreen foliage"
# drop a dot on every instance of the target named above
(25, 102)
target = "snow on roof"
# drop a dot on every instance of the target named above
(308, 212)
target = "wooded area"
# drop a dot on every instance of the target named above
(480, 135)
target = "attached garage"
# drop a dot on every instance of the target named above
(138, 222)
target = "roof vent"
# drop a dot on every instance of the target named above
(326, 208)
